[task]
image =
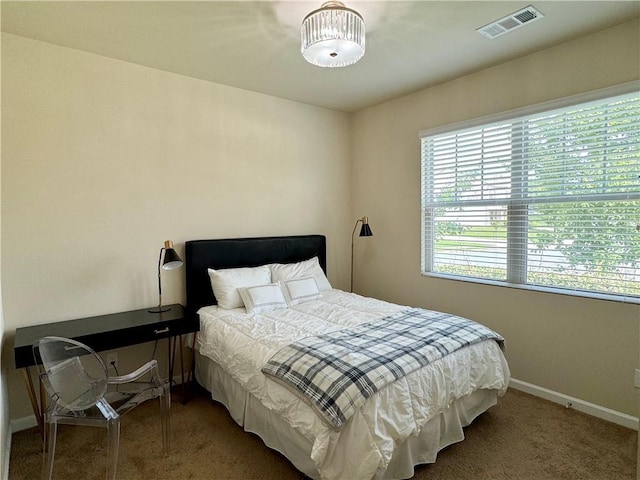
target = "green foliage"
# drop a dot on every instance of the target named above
(599, 236)
(447, 228)
(570, 280)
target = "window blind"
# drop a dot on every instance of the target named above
(549, 199)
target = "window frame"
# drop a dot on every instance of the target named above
(515, 246)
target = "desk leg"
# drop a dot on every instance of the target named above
(172, 356)
(192, 367)
(190, 373)
(37, 408)
(171, 353)
(181, 361)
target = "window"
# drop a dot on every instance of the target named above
(548, 198)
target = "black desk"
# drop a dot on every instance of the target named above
(104, 332)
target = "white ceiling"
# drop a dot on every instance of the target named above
(256, 45)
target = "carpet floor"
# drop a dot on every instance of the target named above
(521, 438)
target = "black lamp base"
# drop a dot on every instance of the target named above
(159, 309)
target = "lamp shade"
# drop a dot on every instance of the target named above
(167, 260)
(171, 258)
(333, 36)
(365, 230)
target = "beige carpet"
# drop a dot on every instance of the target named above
(523, 437)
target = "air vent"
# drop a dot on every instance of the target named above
(510, 22)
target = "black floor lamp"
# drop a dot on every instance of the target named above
(365, 231)
(169, 261)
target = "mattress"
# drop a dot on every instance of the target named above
(399, 420)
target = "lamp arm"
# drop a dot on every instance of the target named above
(352, 234)
(354, 228)
(159, 279)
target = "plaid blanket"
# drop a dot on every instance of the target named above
(337, 372)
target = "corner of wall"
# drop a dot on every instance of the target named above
(5, 430)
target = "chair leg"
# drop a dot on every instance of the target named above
(49, 445)
(113, 445)
(165, 414)
(99, 439)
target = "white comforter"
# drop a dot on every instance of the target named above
(242, 344)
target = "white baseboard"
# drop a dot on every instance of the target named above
(7, 455)
(24, 423)
(598, 411)
(577, 404)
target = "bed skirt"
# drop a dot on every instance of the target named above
(439, 432)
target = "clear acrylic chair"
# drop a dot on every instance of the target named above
(80, 392)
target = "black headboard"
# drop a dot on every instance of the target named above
(243, 252)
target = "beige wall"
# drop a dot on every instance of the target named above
(583, 348)
(103, 160)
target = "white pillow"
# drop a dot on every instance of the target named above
(225, 283)
(262, 298)
(311, 267)
(300, 290)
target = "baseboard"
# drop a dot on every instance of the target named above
(571, 402)
(598, 411)
(7, 455)
(23, 423)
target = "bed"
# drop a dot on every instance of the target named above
(399, 426)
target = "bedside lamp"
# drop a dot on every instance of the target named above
(365, 231)
(169, 261)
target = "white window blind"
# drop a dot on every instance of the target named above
(549, 200)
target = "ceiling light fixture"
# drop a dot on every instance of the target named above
(333, 36)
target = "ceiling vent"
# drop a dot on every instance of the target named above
(510, 22)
